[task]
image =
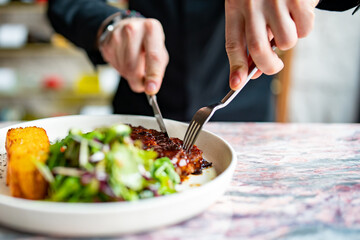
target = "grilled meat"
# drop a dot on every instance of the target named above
(184, 163)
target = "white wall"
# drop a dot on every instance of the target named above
(326, 70)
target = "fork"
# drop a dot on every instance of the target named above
(203, 115)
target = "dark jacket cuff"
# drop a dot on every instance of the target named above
(337, 5)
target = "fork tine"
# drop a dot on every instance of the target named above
(192, 135)
(187, 143)
(188, 133)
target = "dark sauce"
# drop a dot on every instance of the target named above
(204, 165)
(184, 163)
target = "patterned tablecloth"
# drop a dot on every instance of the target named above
(292, 181)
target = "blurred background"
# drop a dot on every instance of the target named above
(43, 75)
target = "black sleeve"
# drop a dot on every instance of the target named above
(337, 5)
(79, 21)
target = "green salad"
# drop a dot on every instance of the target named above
(105, 165)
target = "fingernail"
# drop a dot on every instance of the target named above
(243, 75)
(150, 87)
(235, 80)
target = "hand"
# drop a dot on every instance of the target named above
(136, 49)
(251, 24)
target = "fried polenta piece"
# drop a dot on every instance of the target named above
(25, 146)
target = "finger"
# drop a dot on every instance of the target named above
(236, 48)
(132, 49)
(303, 16)
(156, 56)
(108, 49)
(131, 57)
(251, 64)
(281, 25)
(257, 74)
(259, 47)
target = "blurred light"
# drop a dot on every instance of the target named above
(13, 35)
(109, 80)
(96, 110)
(7, 80)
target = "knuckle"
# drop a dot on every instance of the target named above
(127, 29)
(303, 32)
(154, 56)
(232, 46)
(238, 65)
(129, 66)
(287, 42)
(151, 24)
(255, 47)
(306, 29)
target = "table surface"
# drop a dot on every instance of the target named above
(292, 181)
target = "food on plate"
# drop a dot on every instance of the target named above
(117, 163)
(185, 163)
(25, 148)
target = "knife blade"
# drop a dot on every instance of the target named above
(153, 103)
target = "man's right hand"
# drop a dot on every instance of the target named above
(251, 24)
(136, 49)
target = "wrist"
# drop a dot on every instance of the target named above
(109, 24)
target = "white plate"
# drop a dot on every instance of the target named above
(106, 219)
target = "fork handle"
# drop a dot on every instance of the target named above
(252, 70)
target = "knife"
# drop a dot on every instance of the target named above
(153, 103)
